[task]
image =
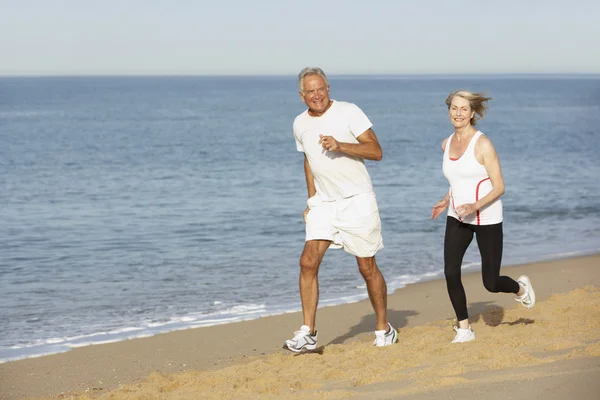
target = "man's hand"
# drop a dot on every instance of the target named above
(306, 213)
(329, 143)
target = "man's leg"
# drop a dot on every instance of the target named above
(377, 289)
(311, 258)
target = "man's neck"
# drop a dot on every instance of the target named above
(312, 113)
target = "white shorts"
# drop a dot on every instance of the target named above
(352, 223)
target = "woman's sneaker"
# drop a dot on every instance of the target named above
(528, 297)
(386, 338)
(463, 335)
(302, 340)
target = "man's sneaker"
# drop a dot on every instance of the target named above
(383, 338)
(528, 297)
(302, 340)
(463, 335)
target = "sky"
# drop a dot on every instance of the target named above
(265, 37)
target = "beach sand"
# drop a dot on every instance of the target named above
(549, 352)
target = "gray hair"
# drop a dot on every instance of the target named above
(310, 71)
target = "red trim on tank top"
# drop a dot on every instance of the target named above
(454, 159)
(477, 198)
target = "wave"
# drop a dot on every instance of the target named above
(235, 313)
(149, 328)
(27, 113)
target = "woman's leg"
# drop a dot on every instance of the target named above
(490, 240)
(456, 241)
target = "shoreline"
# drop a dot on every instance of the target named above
(138, 332)
(100, 368)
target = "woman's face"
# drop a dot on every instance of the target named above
(460, 112)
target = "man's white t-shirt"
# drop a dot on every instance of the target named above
(337, 176)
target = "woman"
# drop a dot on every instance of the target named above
(471, 165)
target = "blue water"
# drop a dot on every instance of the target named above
(133, 206)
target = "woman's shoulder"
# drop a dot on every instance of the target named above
(483, 140)
(445, 141)
(484, 145)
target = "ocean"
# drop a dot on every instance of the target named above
(132, 206)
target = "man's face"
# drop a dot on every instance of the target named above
(315, 94)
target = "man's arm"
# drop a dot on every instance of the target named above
(310, 179)
(368, 146)
(310, 184)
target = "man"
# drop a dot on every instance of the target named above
(341, 210)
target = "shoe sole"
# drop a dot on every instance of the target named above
(308, 347)
(464, 341)
(525, 279)
(395, 339)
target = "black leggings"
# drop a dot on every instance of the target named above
(489, 239)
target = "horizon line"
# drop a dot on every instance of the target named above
(265, 75)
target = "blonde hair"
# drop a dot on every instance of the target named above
(477, 102)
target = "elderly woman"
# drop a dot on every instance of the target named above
(471, 165)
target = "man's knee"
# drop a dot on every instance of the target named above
(312, 256)
(310, 259)
(367, 266)
(309, 263)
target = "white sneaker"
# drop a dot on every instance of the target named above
(383, 338)
(527, 298)
(302, 340)
(463, 335)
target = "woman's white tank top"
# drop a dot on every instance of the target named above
(469, 182)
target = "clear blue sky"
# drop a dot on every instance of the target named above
(74, 37)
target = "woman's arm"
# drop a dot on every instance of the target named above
(487, 156)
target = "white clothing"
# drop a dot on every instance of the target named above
(352, 223)
(337, 176)
(469, 182)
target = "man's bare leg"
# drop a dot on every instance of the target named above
(311, 258)
(377, 289)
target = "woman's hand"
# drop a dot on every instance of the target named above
(439, 207)
(466, 209)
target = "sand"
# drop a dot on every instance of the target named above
(550, 352)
